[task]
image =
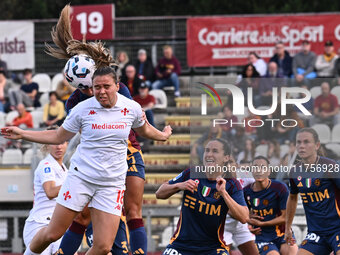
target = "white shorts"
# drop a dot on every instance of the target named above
(31, 228)
(75, 193)
(236, 232)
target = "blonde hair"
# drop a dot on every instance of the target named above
(44, 147)
(67, 46)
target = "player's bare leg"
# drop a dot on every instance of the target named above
(248, 248)
(84, 217)
(133, 200)
(61, 219)
(273, 253)
(288, 249)
(304, 252)
(105, 226)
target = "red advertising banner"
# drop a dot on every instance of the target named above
(223, 41)
(93, 21)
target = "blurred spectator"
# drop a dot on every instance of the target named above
(267, 83)
(250, 79)
(24, 119)
(259, 64)
(144, 68)
(131, 80)
(326, 107)
(64, 90)
(324, 64)
(238, 140)
(289, 156)
(337, 69)
(198, 147)
(3, 67)
(147, 102)
(122, 62)
(248, 154)
(283, 60)
(304, 62)
(54, 111)
(273, 152)
(251, 130)
(167, 71)
(267, 131)
(28, 94)
(288, 133)
(227, 114)
(3, 82)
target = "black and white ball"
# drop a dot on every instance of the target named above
(79, 71)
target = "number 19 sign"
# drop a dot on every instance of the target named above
(93, 21)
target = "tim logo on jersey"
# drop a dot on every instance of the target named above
(203, 207)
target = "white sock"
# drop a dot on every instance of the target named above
(29, 252)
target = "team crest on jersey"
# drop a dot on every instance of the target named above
(317, 182)
(256, 202)
(47, 170)
(308, 182)
(125, 111)
(304, 242)
(206, 191)
(217, 195)
(265, 202)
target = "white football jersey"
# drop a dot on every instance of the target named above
(47, 170)
(100, 157)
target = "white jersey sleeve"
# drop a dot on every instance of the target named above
(45, 173)
(47, 170)
(138, 122)
(72, 122)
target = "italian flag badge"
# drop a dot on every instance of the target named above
(308, 182)
(206, 191)
(256, 201)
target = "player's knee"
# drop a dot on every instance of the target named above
(133, 210)
(83, 219)
(52, 236)
(101, 248)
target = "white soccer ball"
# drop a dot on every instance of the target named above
(79, 71)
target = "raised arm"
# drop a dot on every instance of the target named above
(148, 131)
(46, 137)
(166, 190)
(239, 212)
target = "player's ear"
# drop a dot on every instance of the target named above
(318, 144)
(226, 159)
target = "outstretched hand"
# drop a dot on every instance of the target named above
(13, 133)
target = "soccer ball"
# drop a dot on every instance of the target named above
(79, 71)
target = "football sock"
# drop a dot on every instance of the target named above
(72, 239)
(138, 239)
